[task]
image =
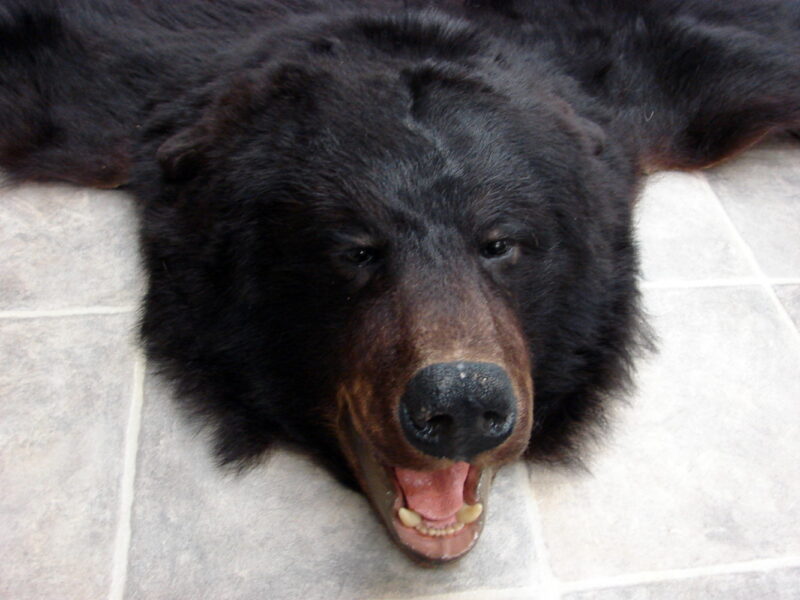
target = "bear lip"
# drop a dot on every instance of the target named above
(441, 545)
(385, 493)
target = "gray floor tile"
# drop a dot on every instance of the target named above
(287, 530)
(770, 585)
(683, 234)
(790, 297)
(66, 387)
(67, 247)
(761, 193)
(703, 467)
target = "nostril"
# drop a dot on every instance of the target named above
(430, 426)
(493, 422)
(438, 425)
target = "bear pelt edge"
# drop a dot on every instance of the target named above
(396, 233)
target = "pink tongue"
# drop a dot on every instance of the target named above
(436, 495)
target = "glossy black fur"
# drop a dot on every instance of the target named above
(265, 140)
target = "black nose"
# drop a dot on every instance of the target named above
(456, 410)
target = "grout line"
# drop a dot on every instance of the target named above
(67, 312)
(119, 572)
(550, 586)
(476, 594)
(784, 281)
(765, 281)
(645, 577)
(713, 283)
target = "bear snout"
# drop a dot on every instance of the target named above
(457, 410)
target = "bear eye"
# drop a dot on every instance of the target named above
(362, 256)
(497, 248)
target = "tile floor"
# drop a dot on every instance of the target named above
(695, 494)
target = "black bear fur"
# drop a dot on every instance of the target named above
(264, 140)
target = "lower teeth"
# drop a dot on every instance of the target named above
(439, 532)
(465, 515)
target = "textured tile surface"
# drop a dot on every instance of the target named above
(66, 247)
(683, 233)
(703, 468)
(761, 193)
(287, 530)
(790, 297)
(770, 585)
(62, 422)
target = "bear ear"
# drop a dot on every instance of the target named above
(593, 136)
(184, 154)
(233, 101)
(223, 106)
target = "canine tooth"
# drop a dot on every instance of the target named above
(409, 518)
(469, 513)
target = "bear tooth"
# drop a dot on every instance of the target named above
(409, 518)
(469, 513)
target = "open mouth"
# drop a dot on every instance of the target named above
(439, 514)
(436, 516)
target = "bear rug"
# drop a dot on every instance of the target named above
(397, 234)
